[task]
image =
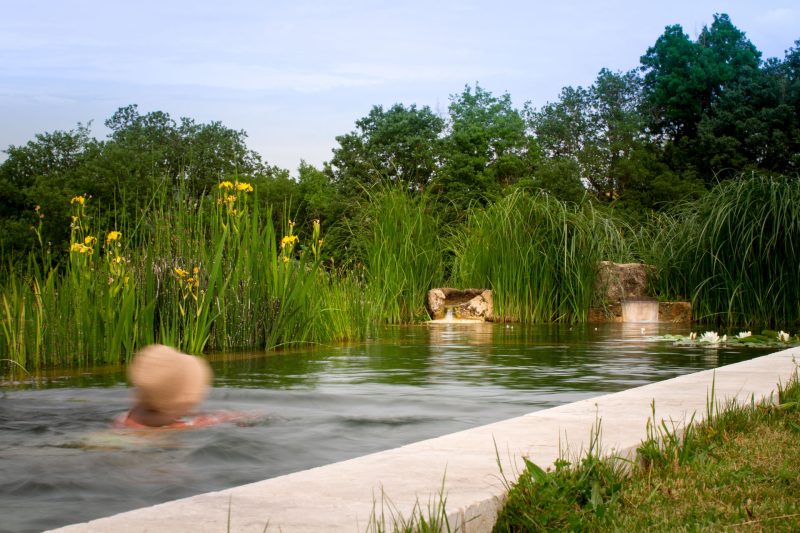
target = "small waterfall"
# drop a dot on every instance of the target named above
(451, 317)
(639, 311)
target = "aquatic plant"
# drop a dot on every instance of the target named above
(733, 252)
(396, 239)
(195, 273)
(538, 255)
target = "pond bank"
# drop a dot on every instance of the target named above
(342, 496)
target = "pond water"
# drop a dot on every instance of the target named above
(61, 463)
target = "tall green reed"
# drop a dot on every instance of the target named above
(539, 255)
(397, 239)
(734, 252)
(196, 273)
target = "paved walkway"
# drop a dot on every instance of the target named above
(341, 496)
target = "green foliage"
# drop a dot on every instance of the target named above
(716, 107)
(753, 124)
(198, 274)
(399, 145)
(579, 497)
(396, 238)
(487, 147)
(537, 254)
(683, 78)
(388, 518)
(734, 252)
(559, 176)
(698, 112)
(121, 174)
(598, 129)
(714, 475)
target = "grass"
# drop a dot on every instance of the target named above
(199, 274)
(432, 518)
(397, 240)
(538, 255)
(736, 470)
(215, 273)
(734, 252)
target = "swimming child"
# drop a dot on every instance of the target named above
(169, 384)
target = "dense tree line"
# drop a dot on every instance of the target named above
(693, 113)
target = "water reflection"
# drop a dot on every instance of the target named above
(61, 463)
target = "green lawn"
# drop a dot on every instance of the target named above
(739, 471)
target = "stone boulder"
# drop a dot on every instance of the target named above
(675, 311)
(667, 312)
(469, 304)
(621, 281)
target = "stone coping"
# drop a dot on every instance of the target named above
(465, 465)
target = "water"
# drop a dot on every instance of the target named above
(639, 311)
(61, 463)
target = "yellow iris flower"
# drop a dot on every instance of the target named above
(82, 248)
(288, 240)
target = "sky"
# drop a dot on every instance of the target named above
(295, 74)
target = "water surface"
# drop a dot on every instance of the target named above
(61, 463)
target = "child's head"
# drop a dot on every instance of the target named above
(168, 383)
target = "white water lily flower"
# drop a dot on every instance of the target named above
(783, 336)
(692, 336)
(744, 334)
(724, 338)
(710, 337)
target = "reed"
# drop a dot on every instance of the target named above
(538, 255)
(200, 274)
(397, 239)
(735, 252)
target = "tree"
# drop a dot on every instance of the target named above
(486, 147)
(753, 125)
(559, 176)
(144, 150)
(598, 130)
(684, 78)
(36, 181)
(685, 82)
(142, 153)
(317, 193)
(397, 145)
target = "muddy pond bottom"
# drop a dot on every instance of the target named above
(60, 461)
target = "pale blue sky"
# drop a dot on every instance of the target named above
(294, 74)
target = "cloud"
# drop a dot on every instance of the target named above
(249, 76)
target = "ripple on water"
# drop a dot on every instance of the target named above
(61, 462)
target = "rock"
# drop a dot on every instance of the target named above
(675, 311)
(607, 313)
(436, 298)
(621, 281)
(474, 304)
(667, 312)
